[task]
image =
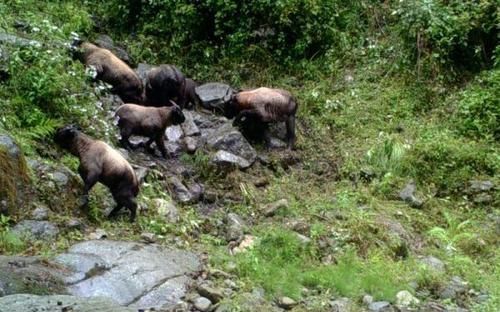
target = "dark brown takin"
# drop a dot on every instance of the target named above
(265, 105)
(101, 163)
(164, 84)
(147, 121)
(110, 69)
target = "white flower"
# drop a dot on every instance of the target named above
(35, 29)
(315, 94)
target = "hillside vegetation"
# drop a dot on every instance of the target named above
(391, 94)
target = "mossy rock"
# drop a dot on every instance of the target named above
(14, 178)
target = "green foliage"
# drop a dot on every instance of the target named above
(9, 242)
(283, 29)
(438, 33)
(386, 155)
(454, 235)
(479, 107)
(449, 162)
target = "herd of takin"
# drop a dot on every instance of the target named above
(150, 108)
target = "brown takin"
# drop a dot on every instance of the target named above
(164, 84)
(265, 105)
(110, 69)
(101, 163)
(189, 94)
(147, 121)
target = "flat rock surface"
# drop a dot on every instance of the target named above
(58, 303)
(132, 274)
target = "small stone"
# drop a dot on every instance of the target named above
(367, 299)
(405, 299)
(191, 144)
(408, 195)
(40, 213)
(476, 186)
(227, 160)
(454, 289)
(269, 210)
(380, 306)
(97, 234)
(286, 303)
(32, 229)
(483, 198)
(166, 209)
(433, 263)
(235, 227)
(214, 294)
(303, 239)
(148, 237)
(247, 242)
(202, 304)
(174, 133)
(341, 305)
(261, 182)
(231, 284)
(141, 173)
(74, 224)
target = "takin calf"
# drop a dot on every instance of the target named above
(147, 121)
(163, 84)
(101, 163)
(264, 105)
(110, 69)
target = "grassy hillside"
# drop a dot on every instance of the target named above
(389, 93)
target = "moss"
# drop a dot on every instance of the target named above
(13, 177)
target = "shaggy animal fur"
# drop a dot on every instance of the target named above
(265, 105)
(110, 69)
(189, 94)
(101, 163)
(163, 84)
(147, 121)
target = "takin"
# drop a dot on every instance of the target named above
(164, 84)
(101, 163)
(110, 69)
(264, 105)
(147, 121)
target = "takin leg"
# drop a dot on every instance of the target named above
(125, 133)
(89, 179)
(124, 199)
(247, 114)
(290, 132)
(160, 142)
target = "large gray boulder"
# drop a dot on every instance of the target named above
(229, 139)
(58, 303)
(214, 95)
(36, 230)
(132, 274)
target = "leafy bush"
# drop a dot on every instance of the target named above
(441, 33)
(296, 29)
(479, 107)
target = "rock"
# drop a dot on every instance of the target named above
(40, 213)
(180, 191)
(454, 289)
(380, 306)
(229, 139)
(202, 304)
(14, 179)
(174, 133)
(214, 294)
(433, 263)
(261, 182)
(407, 194)
(476, 186)
(17, 41)
(303, 239)
(189, 127)
(226, 160)
(269, 210)
(286, 303)
(166, 209)
(214, 95)
(482, 198)
(105, 41)
(64, 303)
(247, 242)
(235, 227)
(141, 173)
(367, 299)
(276, 143)
(37, 230)
(405, 299)
(132, 274)
(341, 305)
(97, 234)
(74, 224)
(191, 144)
(148, 237)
